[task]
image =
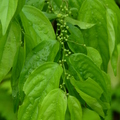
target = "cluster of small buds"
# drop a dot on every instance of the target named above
(63, 30)
(51, 9)
(67, 75)
(61, 85)
(61, 62)
(67, 52)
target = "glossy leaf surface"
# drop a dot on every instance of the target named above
(53, 106)
(45, 51)
(85, 68)
(95, 12)
(36, 25)
(44, 79)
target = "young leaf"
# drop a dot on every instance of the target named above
(45, 51)
(53, 106)
(74, 108)
(7, 11)
(36, 25)
(8, 46)
(44, 79)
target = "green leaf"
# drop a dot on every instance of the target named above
(93, 11)
(88, 86)
(72, 91)
(53, 106)
(20, 5)
(85, 68)
(50, 16)
(89, 114)
(45, 51)
(112, 27)
(44, 79)
(92, 102)
(95, 56)
(74, 108)
(28, 110)
(36, 3)
(88, 74)
(111, 17)
(75, 3)
(67, 115)
(36, 25)
(82, 25)
(75, 40)
(7, 11)
(8, 46)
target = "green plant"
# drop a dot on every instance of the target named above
(55, 54)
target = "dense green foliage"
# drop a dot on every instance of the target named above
(54, 59)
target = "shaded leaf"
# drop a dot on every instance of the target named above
(82, 25)
(36, 3)
(16, 69)
(6, 102)
(75, 40)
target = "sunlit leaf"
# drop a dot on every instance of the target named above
(7, 11)
(74, 108)
(44, 79)
(36, 25)
(53, 106)
(45, 51)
